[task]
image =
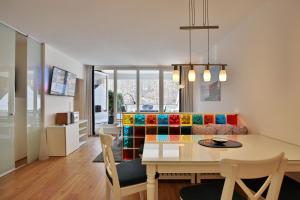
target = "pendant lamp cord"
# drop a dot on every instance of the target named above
(206, 22)
(192, 20)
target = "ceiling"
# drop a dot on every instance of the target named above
(119, 32)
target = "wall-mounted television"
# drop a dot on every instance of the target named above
(63, 83)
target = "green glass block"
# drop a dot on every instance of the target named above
(139, 119)
(198, 119)
(127, 142)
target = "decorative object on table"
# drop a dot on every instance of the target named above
(211, 143)
(219, 140)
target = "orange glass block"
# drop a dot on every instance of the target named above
(209, 119)
(151, 119)
(150, 138)
(186, 119)
(128, 119)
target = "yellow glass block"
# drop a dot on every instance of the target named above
(150, 138)
(186, 119)
(128, 119)
(186, 138)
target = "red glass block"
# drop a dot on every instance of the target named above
(174, 130)
(151, 119)
(174, 138)
(151, 130)
(209, 119)
(174, 119)
(138, 142)
(127, 154)
(232, 119)
(139, 131)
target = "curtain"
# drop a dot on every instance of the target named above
(186, 95)
(88, 111)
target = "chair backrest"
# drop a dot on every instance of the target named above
(235, 170)
(109, 161)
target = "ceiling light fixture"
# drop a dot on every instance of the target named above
(176, 74)
(206, 73)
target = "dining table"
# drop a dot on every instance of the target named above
(184, 154)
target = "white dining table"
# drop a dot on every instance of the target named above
(183, 154)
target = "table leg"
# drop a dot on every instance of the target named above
(151, 183)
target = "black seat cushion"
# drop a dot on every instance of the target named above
(290, 189)
(131, 173)
(206, 191)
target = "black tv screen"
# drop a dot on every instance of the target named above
(63, 83)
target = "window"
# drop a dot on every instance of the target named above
(171, 93)
(149, 91)
(126, 91)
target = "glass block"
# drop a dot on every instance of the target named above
(162, 138)
(163, 130)
(128, 131)
(209, 119)
(139, 131)
(174, 130)
(139, 119)
(220, 119)
(127, 154)
(186, 138)
(128, 119)
(151, 119)
(138, 142)
(198, 119)
(232, 119)
(163, 119)
(137, 153)
(186, 119)
(127, 142)
(151, 130)
(174, 119)
(151, 138)
(186, 130)
(174, 138)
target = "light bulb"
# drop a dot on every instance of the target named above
(176, 74)
(222, 75)
(192, 75)
(206, 74)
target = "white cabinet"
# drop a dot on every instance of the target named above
(63, 140)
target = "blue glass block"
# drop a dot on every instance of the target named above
(127, 131)
(220, 119)
(163, 130)
(198, 119)
(139, 119)
(162, 138)
(163, 119)
(127, 142)
(186, 130)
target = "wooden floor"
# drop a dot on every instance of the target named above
(73, 177)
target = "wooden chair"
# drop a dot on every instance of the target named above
(236, 170)
(125, 178)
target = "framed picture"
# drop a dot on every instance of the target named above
(211, 91)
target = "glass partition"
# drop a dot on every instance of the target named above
(126, 90)
(34, 115)
(149, 91)
(7, 98)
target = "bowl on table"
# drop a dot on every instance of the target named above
(219, 140)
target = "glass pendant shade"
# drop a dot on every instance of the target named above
(192, 75)
(206, 74)
(176, 75)
(222, 75)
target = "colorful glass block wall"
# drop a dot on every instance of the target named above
(137, 125)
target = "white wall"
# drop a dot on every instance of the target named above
(263, 84)
(55, 104)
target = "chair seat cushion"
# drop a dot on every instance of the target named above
(206, 191)
(290, 189)
(131, 173)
